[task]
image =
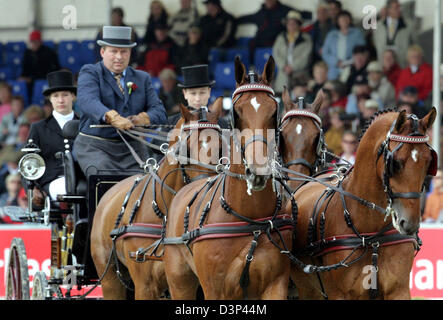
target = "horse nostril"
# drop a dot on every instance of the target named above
(248, 172)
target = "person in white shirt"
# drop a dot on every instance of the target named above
(47, 134)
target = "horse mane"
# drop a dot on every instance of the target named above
(372, 119)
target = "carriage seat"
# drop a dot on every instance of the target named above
(75, 179)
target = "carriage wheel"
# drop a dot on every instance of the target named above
(39, 286)
(17, 279)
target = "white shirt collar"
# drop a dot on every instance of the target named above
(61, 118)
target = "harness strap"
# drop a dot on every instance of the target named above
(244, 277)
(373, 292)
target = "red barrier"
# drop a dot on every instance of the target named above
(426, 277)
(37, 242)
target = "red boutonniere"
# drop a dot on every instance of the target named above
(132, 86)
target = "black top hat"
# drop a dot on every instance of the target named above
(60, 81)
(195, 77)
(217, 2)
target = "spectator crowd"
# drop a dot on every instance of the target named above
(361, 71)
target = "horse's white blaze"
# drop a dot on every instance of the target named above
(255, 104)
(298, 128)
(414, 155)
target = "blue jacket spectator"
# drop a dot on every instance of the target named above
(338, 46)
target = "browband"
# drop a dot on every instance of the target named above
(253, 87)
(306, 113)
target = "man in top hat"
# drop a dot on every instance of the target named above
(47, 134)
(111, 92)
(196, 88)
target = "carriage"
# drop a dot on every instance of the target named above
(68, 218)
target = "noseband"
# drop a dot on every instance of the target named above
(321, 147)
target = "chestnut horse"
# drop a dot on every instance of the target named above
(227, 247)
(365, 250)
(301, 138)
(135, 218)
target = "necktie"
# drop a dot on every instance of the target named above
(391, 30)
(117, 78)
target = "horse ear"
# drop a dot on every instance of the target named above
(186, 114)
(318, 101)
(240, 71)
(429, 119)
(268, 71)
(401, 120)
(217, 108)
(287, 101)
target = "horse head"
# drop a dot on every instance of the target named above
(300, 134)
(196, 137)
(402, 159)
(254, 117)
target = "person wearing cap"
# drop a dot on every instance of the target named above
(360, 90)
(339, 43)
(380, 84)
(368, 108)
(268, 20)
(38, 61)
(218, 26)
(292, 51)
(117, 19)
(196, 88)
(47, 134)
(360, 60)
(111, 92)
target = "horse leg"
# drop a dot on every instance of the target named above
(278, 289)
(181, 279)
(149, 279)
(112, 288)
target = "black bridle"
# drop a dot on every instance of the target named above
(201, 124)
(321, 145)
(250, 87)
(389, 171)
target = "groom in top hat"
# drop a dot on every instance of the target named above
(111, 92)
(196, 89)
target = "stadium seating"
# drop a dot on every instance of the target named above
(215, 56)
(225, 75)
(215, 93)
(261, 55)
(87, 51)
(14, 61)
(16, 46)
(243, 42)
(7, 73)
(156, 83)
(37, 92)
(243, 53)
(50, 44)
(69, 55)
(20, 88)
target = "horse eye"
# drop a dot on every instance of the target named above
(396, 166)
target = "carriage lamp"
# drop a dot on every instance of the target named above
(32, 166)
